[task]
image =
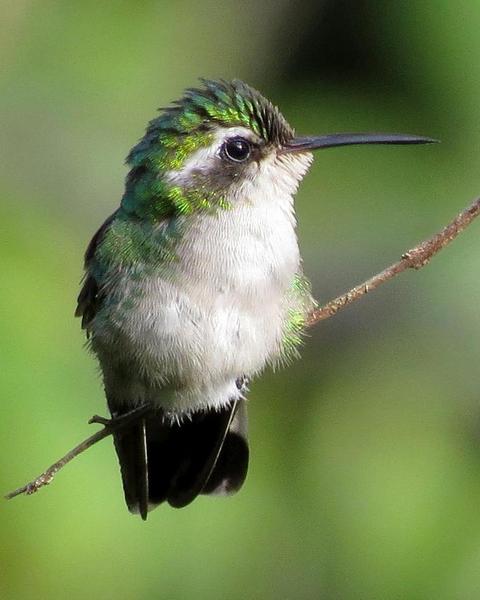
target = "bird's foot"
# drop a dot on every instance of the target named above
(242, 383)
(100, 420)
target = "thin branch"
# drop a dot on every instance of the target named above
(416, 258)
(109, 427)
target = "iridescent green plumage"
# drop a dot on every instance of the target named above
(187, 125)
(300, 301)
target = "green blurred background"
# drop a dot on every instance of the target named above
(365, 471)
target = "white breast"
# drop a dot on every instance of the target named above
(221, 312)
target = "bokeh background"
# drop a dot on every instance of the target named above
(365, 471)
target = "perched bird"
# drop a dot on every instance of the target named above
(195, 284)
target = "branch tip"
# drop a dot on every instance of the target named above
(415, 258)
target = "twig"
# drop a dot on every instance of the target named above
(109, 427)
(416, 258)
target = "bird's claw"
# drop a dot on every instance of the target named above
(100, 420)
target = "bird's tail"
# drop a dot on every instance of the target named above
(175, 462)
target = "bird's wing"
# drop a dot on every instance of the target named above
(90, 297)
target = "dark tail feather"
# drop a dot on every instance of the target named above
(230, 470)
(131, 447)
(175, 463)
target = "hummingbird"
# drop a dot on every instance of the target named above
(195, 284)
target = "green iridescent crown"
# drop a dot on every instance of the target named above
(183, 126)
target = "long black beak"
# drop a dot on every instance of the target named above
(305, 144)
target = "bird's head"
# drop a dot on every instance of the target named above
(221, 144)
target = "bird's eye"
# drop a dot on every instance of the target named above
(236, 149)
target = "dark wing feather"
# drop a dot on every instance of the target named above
(89, 299)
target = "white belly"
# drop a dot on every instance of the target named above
(217, 314)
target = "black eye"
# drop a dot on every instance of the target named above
(236, 149)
